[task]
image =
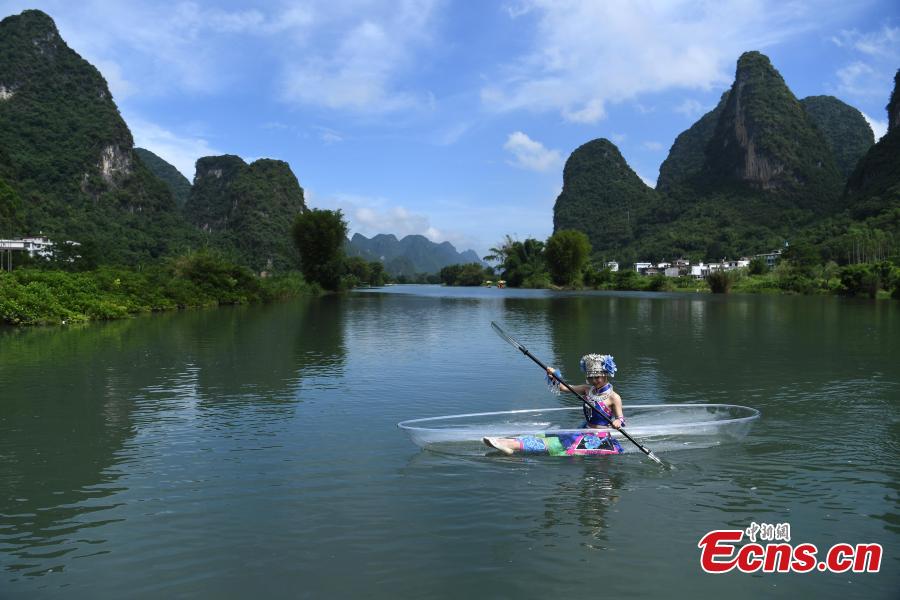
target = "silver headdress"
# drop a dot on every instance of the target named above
(598, 364)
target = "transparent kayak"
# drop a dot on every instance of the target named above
(660, 427)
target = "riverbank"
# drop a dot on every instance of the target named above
(42, 297)
(880, 280)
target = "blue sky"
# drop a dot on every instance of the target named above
(454, 119)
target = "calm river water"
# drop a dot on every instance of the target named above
(253, 451)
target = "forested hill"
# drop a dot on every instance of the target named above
(409, 256)
(845, 129)
(687, 156)
(878, 174)
(67, 160)
(760, 168)
(177, 183)
(248, 208)
(605, 198)
(765, 142)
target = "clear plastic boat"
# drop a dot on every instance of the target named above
(660, 427)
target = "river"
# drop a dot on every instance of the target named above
(253, 451)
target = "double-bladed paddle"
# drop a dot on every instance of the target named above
(516, 344)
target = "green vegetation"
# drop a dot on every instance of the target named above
(177, 183)
(720, 282)
(530, 263)
(567, 253)
(764, 141)
(360, 272)
(247, 210)
(521, 264)
(757, 266)
(688, 154)
(34, 296)
(604, 198)
(471, 274)
(319, 236)
(848, 134)
(10, 210)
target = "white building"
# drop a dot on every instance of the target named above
(39, 246)
(770, 257)
(613, 266)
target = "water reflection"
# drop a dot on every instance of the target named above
(582, 497)
(66, 411)
(82, 406)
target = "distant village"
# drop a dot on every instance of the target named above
(684, 268)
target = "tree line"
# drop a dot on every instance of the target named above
(72, 286)
(566, 260)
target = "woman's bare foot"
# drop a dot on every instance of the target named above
(504, 446)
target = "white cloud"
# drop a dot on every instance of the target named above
(857, 78)
(347, 55)
(155, 48)
(691, 108)
(653, 146)
(873, 60)
(396, 219)
(119, 85)
(330, 136)
(181, 152)
(587, 55)
(353, 59)
(882, 43)
(452, 134)
(618, 138)
(530, 154)
(879, 128)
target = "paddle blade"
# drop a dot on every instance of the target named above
(655, 459)
(511, 340)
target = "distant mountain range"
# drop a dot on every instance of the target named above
(411, 255)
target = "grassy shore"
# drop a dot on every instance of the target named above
(30, 296)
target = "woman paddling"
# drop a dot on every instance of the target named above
(605, 410)
(606, 404)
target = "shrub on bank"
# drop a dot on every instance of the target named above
(537, 281)
(721, 282)
(660, 283)
(757, 284)
(34, 296)
(471, 274)
(861, 280)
